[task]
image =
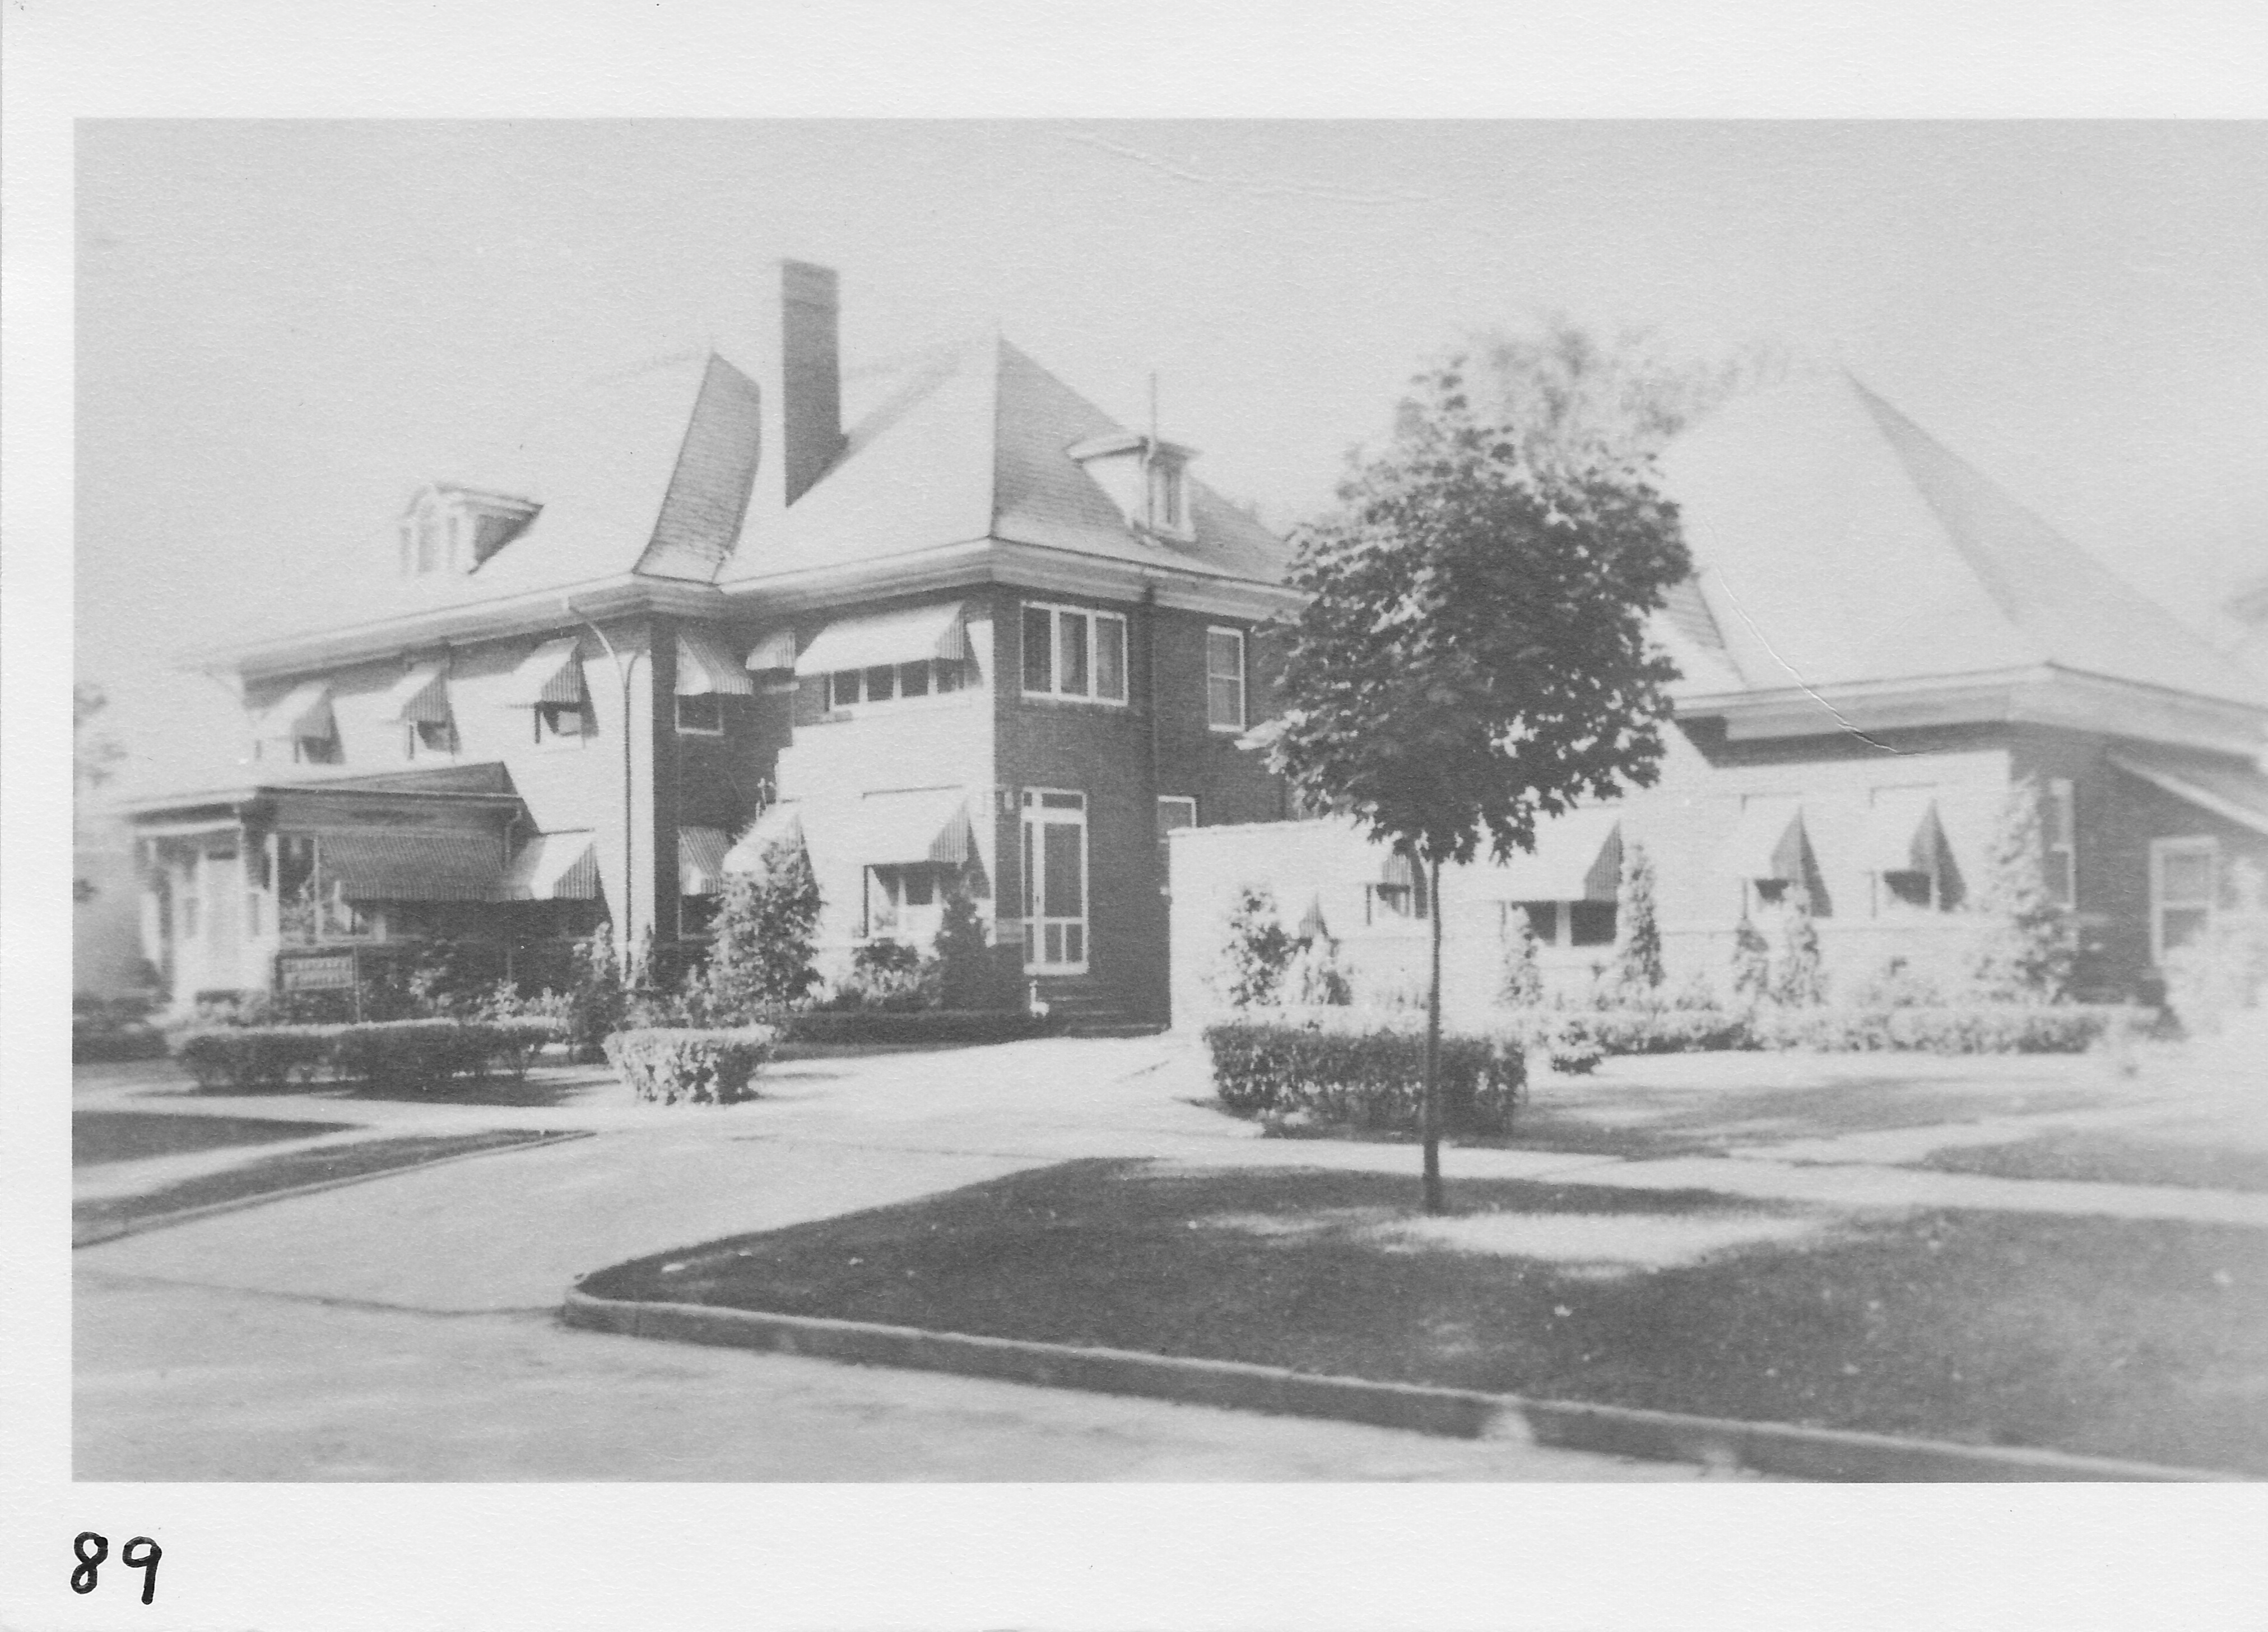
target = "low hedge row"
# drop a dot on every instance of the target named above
(1571, 1035)
(1365, 1075)
(388, 1053)
(99, 1037)
(670, 1064)
(918, 1026)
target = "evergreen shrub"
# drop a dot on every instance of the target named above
(673, 1065)
(1361, 1074)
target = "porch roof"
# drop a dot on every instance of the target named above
(2232, 792)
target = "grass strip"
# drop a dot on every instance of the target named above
(2143, 1340)
(103, 1136)
(2109, 1158)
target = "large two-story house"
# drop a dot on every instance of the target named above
(1878, 645)
(941, 621)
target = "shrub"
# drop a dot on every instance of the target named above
(968, 971)
(1799, 977)
(1971, 1029)
(1638, 971)
(1362, 1074)
(1317, 976)
(113, 1029)
(597, 996)
(1258, 951)
(767, 934)
(2028, 951)
(927, 1027)
(1898, 984)
(1577, 1034)
(674, 1065)
(1696, 994)
(1523, 985)
(1751, 964)
(889, 976)
(253, 1058)
(426, 1053)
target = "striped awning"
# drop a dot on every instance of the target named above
(304, 711)
(419, 697)
(1902, 834)
(928, 825)
(1312, 924)
(1578, 857)
(421, 866)
(773, 652)
(700, 860)
(552, 673)
(781, 822)
(1768, 842)
(556, 866)
(913, 636)
(705, 668)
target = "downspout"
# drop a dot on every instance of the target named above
(622, 674)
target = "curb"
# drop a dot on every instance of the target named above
(1783, 1450)
(190, 1214)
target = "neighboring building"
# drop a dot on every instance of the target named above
(971, 634)
(1878, 644)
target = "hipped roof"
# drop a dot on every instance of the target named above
(1837, 542)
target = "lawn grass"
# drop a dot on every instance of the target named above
(98, 1217)
(2113, 1158)
(2147, 1340)
(104, 1136)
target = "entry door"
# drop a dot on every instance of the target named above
(1055, 929)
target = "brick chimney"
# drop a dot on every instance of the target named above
(811, 375)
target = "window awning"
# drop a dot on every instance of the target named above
(419, 697)
(774, 652)
(1311, 924)
(413, 865)
(705, 668)
(1902, 834)
(556, 866)
(779, 822)
(1767, 842)
(1578, 857)
(550, 674)
(304, 711)
(2234, 794)
(909, 829)
(700, 860)
(914, 636)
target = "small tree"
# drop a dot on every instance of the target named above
(1638, 969)
(1473, 653)
(1751, 964)
(767, 936)
(1317, 976)
(1799, 979)
(967, 975)
(1522, 985)
(2027, 946)
(1258, 952)
(597, 996)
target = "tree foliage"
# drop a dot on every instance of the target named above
(767, 936)
(1751, 963)
(1473, 653)
(2028, 948)
(1258, 951)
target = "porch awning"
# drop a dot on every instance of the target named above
(910, 637)
(419, 697)
(700, 860)
(773, 652)
(550, 674)
(705, 668)
(304, 711)
(556, 866)
(2234, 793)
(1578, 857)
(1767, 842)
(910, 829)
(783, 821)
(1902, 834)
(424, 866)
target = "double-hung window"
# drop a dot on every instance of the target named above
(2183, 886)
(1224, 679)
(1073, 651)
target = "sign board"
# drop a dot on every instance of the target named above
(334, 973)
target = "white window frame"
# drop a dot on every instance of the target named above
(677, 715)
(1171, 475)
(1165, 833)
(832, 706)
(1094, 618)
(2063, 855)
(2159, 850)
(1241, 678)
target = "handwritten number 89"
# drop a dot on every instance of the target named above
(82, 1579)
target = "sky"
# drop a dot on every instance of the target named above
(285, 329)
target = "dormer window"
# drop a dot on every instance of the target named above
(1146, 478)
(449, 529)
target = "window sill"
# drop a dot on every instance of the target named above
(1052, 699)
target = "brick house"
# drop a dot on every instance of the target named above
(1877, 644)
(940, 619)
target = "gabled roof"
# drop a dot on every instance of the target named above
(1837, 543)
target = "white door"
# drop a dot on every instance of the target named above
(1056, 930)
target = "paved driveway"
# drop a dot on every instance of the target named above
(403, 1328)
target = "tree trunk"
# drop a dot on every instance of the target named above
(1430, 1105)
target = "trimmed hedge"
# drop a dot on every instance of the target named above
(384, 1053)
(674, 1064)
(99, 1037)
(932, 1026)
(1573, 1036)
(1637, 1030)
(1363, 1075)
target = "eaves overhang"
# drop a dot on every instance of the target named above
(2044, 694)
(249, 800)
